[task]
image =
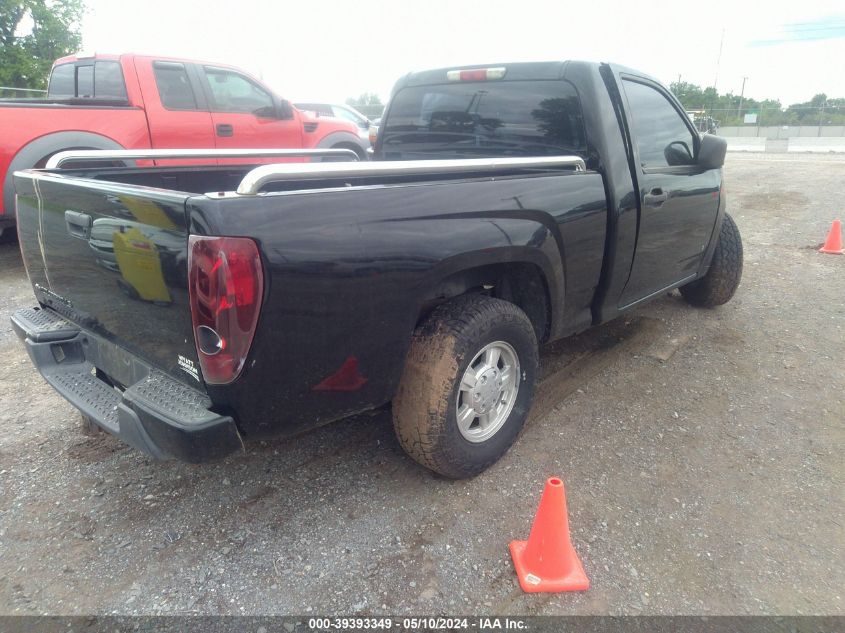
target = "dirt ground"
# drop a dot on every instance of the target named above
(701, 451)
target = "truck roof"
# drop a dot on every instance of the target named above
(514, 71)
(120, 56)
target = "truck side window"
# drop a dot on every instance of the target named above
(174, 87)
(235, 93)
(108, 81)
(662, 137)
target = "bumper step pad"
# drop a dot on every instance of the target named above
(171, 399)
(41, 326)
(156, 413)
(92, 396)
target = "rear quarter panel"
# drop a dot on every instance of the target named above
(348, 272)
(23, 130)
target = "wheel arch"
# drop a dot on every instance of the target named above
(344, 140)
(521, 280)
(44, 146)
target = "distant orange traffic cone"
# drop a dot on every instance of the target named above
(547, 561)
(833, 243)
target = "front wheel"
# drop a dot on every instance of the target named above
(722, 279)
(362, 154)
(467, 385)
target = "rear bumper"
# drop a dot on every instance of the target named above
(156, 414)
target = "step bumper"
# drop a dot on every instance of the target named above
(155, 414)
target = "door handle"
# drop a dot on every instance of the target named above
(78, 224)
(225, 129)
(656, 197)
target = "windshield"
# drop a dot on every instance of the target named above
(477, 119)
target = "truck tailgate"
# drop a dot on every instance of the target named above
(112, 258)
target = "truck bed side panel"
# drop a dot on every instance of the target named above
(349, 269)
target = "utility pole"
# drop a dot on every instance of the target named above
(716, 78)
(719, 60)
(821, 116)
(741, 95)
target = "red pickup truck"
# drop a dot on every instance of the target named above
(139, 102)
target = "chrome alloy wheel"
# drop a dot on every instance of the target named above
(488, 391)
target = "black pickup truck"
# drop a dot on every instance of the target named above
(187, 309)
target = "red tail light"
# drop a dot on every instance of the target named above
(225, 283)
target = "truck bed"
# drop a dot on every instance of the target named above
(354, 252)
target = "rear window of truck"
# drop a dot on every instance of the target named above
(87, 80)
(509, 118)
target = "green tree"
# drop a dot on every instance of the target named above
(728, 109)
(820, 110)
(364, 99)
(33, 34)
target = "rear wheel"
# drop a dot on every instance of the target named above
(722, 279)
(467, 385)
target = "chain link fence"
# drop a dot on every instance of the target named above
(824, 120)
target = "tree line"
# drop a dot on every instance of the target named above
(33, 34)
(730, 109)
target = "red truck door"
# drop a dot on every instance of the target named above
(177, 109)
(245, 114)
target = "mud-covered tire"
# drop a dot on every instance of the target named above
(722, 279)
(425, 407)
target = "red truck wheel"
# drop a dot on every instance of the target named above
(467, 385)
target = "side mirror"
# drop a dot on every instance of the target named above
(267, 112)
(678, 153)
(711, 151)
(285, 109)
(364, 125)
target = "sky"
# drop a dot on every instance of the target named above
(330, 50)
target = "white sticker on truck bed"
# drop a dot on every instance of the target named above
(187, 365)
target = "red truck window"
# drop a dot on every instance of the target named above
(174, 87)
(87, 80)
(234, 93)
(108, 81)
(62, 82)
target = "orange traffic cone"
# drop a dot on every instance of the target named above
(833, 243)
(547, 561)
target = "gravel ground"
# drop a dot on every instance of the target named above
(701, 450)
